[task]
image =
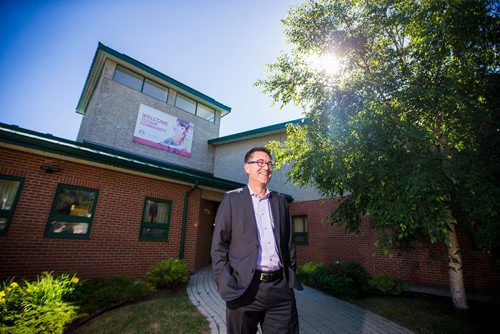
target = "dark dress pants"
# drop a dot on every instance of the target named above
(270, 304)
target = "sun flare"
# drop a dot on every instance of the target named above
(328, 63)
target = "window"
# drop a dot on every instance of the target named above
(189, 105)
(206, 113)
(10, 189)
(72, 212)
(155, 220)
(128, 78)
(141, 84)
(153, 89)
(185, 103)
(299, 229)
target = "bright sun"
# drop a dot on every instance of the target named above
(326, 62)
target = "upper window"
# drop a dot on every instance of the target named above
(10, 189)
(299, 229)
(155, 220)
(189, 105)
(72, 212)
(206, 113)
(141, 84)
(155, 90)
(185, 103)
(128, 78)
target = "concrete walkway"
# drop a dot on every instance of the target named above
(318, 312)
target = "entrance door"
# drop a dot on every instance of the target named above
(208, 210)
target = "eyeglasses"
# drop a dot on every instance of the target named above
(261, 163)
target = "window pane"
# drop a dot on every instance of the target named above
(3, 223)
(8, 192)
(185, 103)
(156, 233)
(163, 215)
(156, 212)
(75, 202)
(300, 239)
(155, 220)
(150, 211)
(299, 224)
(128, 78)
(205, 112)
(72, 212)
(155, 90)
(68, 227)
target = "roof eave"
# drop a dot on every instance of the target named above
(255, 133)
(16, 136)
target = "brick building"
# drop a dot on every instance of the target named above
(143, 181)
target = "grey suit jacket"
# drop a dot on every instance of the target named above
(235, 242)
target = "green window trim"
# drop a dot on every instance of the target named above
(300, 230)
(8, 200)
(155, 224)
(72, 212)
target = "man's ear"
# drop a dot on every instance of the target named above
(246, 167)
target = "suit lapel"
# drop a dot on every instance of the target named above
(275, 210)
(247, 207)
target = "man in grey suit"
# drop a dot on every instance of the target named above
(253, 254)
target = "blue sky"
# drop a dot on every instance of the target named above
(218, 47)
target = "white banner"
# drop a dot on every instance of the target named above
(163, 131)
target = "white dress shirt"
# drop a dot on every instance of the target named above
(268, 258)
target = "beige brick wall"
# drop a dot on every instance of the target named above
(111, 117)
(228, 164)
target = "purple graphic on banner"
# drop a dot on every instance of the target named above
(163, 131)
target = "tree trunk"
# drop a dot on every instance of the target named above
(455, 270)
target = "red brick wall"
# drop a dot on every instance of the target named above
(329, 243)
(113, 247)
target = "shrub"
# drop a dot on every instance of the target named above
(304, 272)
(168, 274)
(331, 279)
(336, 285)
(346, 280)
(39, 306)
(385, 284)
(356, 271)
(97, 293)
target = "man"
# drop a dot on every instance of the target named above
(253, 254)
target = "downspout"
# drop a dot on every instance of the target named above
(184, 219)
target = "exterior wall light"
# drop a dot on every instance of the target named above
(49, 168)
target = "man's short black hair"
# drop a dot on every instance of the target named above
(256, 149)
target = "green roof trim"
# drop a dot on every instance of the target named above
(14, 135)
(98, 63)
(267, 130)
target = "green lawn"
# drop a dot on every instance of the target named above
(424, 314)
(173, 314)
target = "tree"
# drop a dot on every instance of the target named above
(406, 131)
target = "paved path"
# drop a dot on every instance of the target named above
(318, 312)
